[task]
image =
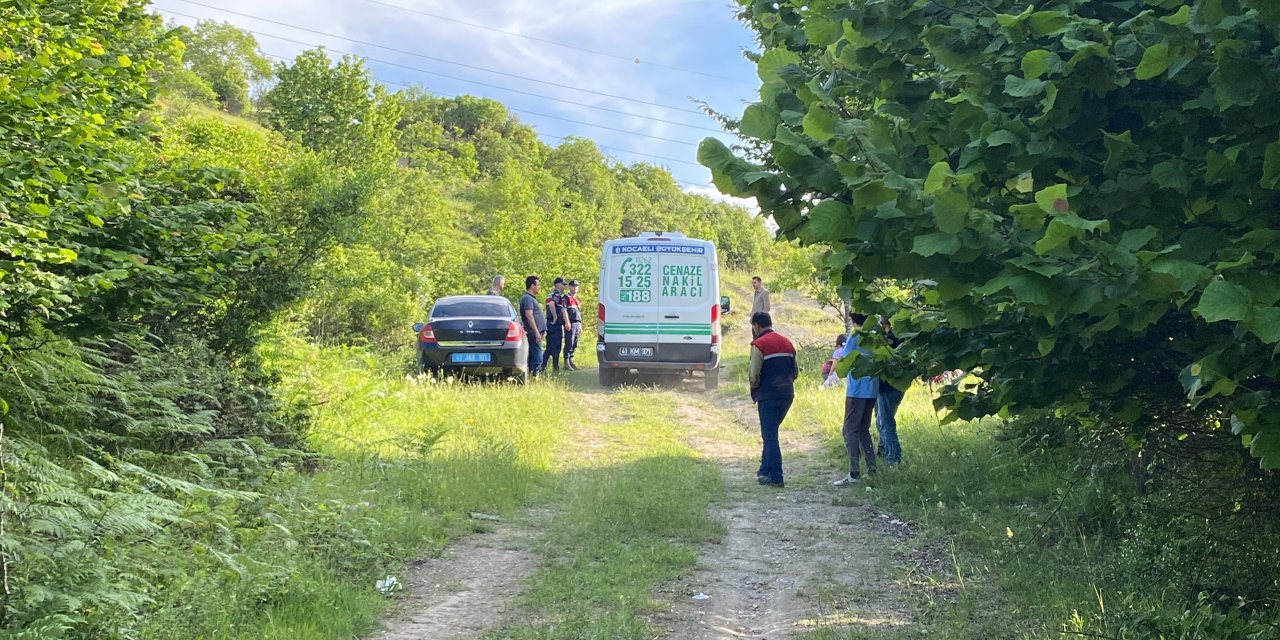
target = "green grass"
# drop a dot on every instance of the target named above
(624, 529)
(405, 461)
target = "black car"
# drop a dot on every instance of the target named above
(478, 335)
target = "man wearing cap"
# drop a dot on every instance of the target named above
(557, 324)
(574, 330)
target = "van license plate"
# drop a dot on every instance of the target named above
(636, 352)
(469, 357)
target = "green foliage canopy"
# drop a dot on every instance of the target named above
(1091, 185)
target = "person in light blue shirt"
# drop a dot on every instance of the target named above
(859, 400)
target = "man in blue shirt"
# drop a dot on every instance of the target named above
(859, 400)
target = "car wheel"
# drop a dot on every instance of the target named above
(712, 379)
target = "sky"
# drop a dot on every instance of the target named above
(622, 73)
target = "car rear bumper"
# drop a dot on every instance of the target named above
(499, 357)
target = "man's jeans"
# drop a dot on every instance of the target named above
(772, 413)
(555, 338)
(572, 336)
(857, 433)
(535, 358)
(887, 423)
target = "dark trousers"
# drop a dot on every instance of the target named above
(535, 359)
(857, 433)
(887, 423)
(772, 413)
(572, 334)
(555, 341)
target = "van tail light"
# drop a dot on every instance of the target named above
(600, 312)
(427, 335)
(513, 333)
(715, 324)
(600, 324)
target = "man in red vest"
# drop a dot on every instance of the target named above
(773, 373)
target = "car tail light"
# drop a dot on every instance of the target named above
(600, 323)
(600, 312)
(513, 332)
(715, 324)
(427, 334)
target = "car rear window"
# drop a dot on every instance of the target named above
(472, 309)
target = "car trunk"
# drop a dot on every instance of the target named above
(470, 331)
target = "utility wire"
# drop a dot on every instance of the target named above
(639, 153)
(548, 135)
(441, 60)
(558, 44)
(475, 82)
(532, 113)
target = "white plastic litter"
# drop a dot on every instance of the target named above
(702, 596)
(387, 584)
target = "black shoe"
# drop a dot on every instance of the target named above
(764, 480)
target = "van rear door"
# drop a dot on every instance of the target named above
(631, 321)
(686, 295)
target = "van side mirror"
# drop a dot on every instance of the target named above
(417, 326)
(724, 304)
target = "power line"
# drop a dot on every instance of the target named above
(542, 115)
(553, 42)
(639, 153)
(475, 82)
(548, 135)
(441, 60)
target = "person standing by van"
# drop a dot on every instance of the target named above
(535, 324)
(574, 331)
(760, 302)
(887, 402)
(859, 400)
(773, 372)
(556, 325)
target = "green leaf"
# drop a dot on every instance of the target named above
(1239, 78)
(124, 60)
(935, 243)
(38, 208)
(940, 177)
(1179, 18)
(1271, 167)
(822, 31)
(950, 210)
(773, 61)
(1047, 23)
(1053, 199)
(1265, 324)
(1268, 11)
(820, 124)
(1223, 300)
(759, 121)
(1035, 63)
(831, 220)
(1171, 174)
(1057, 235)
(1155, 61)
(873, 194)
(1019, 88)
(1001, 137)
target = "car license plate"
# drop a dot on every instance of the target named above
(636, 352)
(469, 357)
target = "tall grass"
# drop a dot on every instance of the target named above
(405, 460)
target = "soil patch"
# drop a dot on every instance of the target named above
(467, 591)
(791, 561)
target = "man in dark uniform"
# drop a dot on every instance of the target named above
(557, 322)
(573, 332)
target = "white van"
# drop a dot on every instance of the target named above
(659, 307)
